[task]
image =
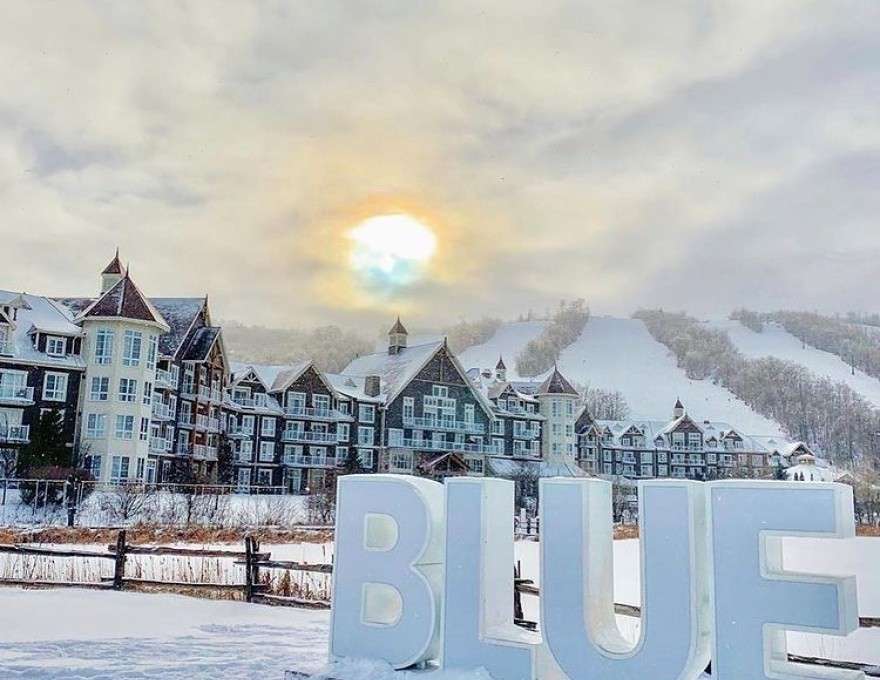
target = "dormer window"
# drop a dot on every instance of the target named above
(55, 346)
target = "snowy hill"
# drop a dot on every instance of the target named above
(620, 354)
(508, 341)
(775, 341)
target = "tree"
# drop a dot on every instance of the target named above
(46, 448)
(352, 464)
(225, 466)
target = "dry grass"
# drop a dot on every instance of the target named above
(868, 531)
(622, 531)
(143, 533)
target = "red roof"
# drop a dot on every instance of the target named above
(115, 266)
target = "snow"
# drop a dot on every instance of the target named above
(620, 354)
(509, 340)
(775, 341)
(75, 633)
(46, 316)
(86, 634)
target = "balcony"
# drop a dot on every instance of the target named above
(160, 445)
(162, 411)
(164, 380)
(15, 434)
(309, 437)
(13, 394)
(203, 452)
(307, 413)
(430, 445)
(237, 431)
(243, 457)
(443, 424)
(302, 460)
(184, 449)
(186, 421)
(525, 434)
(188, 391)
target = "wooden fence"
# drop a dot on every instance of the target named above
(253, 590)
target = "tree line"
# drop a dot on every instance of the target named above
(829, 416)
(566, 324)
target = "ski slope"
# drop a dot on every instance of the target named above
(508, 341)
(620, 354)
(775, 341)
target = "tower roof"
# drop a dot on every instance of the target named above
(678, 404)
(397, 328)
(115, 266)
(124, 301)
(556, 383)
(500, 363)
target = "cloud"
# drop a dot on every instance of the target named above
(621, 152)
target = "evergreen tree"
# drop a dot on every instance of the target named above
(352, 464)
(46, 447)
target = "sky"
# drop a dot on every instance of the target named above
(685, 155)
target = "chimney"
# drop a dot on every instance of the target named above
(372, 384)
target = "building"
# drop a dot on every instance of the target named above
(41, 368)
(155, 371)
(681, 448)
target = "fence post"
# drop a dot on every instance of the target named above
(248, 569)
(119, 564)
(70, 496)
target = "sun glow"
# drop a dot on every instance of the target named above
(391, 251)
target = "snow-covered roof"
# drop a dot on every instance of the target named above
(44, 315)
(351, 386)
(124, 301)
(395, 371)
(710, 428)
(179, 313)
(510, 468)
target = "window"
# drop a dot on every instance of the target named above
(247, 424)
(96, 426)
(267, 451)
(395, 437)
(145, 429)
(247, 447)
(148, 392)
(365, 436)
(342, 432)
(55, 346)
(268, 427)
(468, 413)
(127, 389)
(409, 408)
(131, 348)
(95, 466)
(261, 400)
(366, 413)
(401, 460)
(554, 408)
(104, 347)
(140, 468)
(124, 427)
(118, 468)
(440, 391)
(498, 426)
(366, 458)
(321, 402)
(55, 387)
(152, 351)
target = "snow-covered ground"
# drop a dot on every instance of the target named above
(620, 354)
(508, 341)
(775, 341)
(71, 634)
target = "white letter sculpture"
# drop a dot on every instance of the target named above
(387, 578)
(478, 629)
(577, 604)
(755, 600)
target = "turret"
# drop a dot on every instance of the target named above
(500, 370)
(677, 410)
(397, 338)
(112, 273)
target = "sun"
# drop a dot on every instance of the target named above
(392, 250)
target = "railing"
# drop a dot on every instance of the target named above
(296, 411)
(160, 444)
(188, 390)
(442, 424)
(213, 424)
(184, 449)
(15, 434)
(186, 422)
(162, 411)
(306, 436)
(430, 445)
(243, 457)
(201, 421)
(163, 379)
(302, 460)
(203, 452)
(15, 393)
(525, 434)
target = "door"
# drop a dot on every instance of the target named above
(244, 479)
